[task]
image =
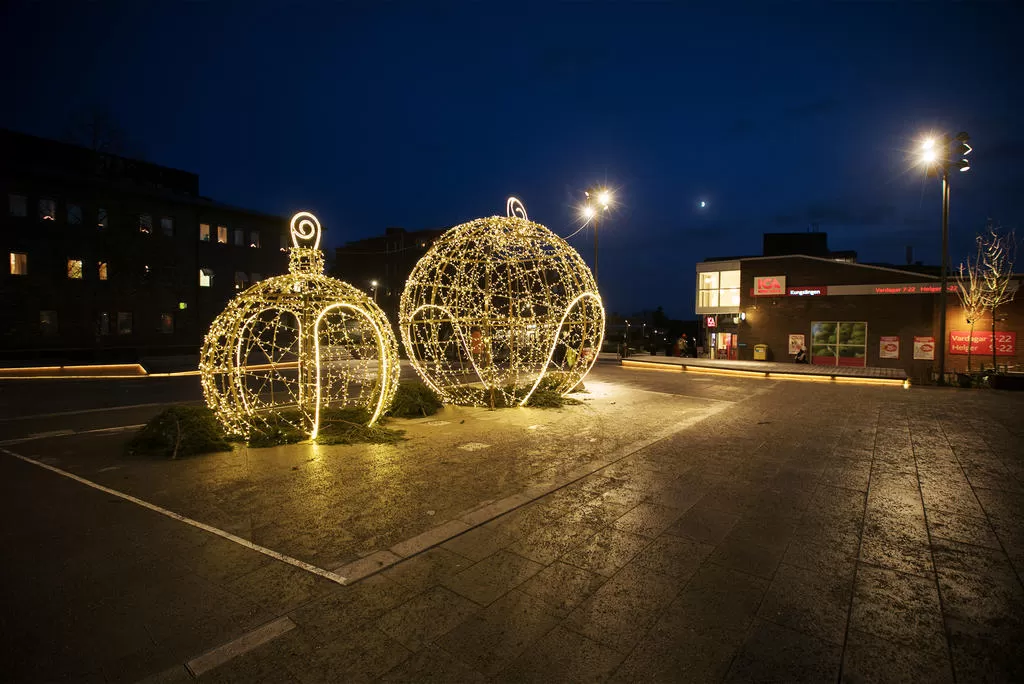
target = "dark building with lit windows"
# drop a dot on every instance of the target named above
(117, 259)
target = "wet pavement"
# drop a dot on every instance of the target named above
(671, 528)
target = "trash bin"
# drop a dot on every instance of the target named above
(760, 352)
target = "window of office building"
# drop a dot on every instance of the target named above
(839, 343)
(239, 237)
(101, 270)
(145, 223)
(124, 323)
(167, 226)
(205, 277)
(103, 323)
(222, 235)
(101, 218)
(75, 269)
(18, 205)
(719, 289)
(74, 215)
(167, 323)
(254, 238)
(241, 280)
(19, 263)
(48, 322)
(47, 210)
(204, 232)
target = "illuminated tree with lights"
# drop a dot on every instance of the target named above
(495, 306)
(971, 291)
(999, 252)
(291, 347)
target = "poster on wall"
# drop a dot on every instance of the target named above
(796, 343)
(924, 348)
(889, 347)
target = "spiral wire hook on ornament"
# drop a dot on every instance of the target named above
(305, 227)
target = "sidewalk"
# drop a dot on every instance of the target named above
(773, 368)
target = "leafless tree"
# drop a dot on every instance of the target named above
(970, 282)
(1000, 251)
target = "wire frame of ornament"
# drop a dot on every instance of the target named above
(291, 347)
(495, 306)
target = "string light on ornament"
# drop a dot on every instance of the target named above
(495, 306)
(291, 346)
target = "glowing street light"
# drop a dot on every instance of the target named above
(935, 155)
(373, 284)
(591, 213)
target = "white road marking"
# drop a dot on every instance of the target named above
(96, 410)
(242, 644)
(68, 433)
(327, 574)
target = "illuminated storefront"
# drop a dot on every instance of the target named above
(844, 314)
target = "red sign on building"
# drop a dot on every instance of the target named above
(712, 321)
(980, 342)
(769, 286)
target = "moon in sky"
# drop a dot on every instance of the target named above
(703, 204)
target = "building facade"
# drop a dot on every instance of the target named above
(115, 259)
(386, 260)
(845, 314)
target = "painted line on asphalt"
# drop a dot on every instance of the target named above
(327, 574)
(243, 644)
(97, 410)
(68, 433)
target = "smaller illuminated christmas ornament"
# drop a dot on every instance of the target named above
(495, 306)
(291, 347)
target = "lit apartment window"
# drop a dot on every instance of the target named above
(103, 323)
(19, 263)
(708, 289)
(167, 226)
(75, 269)
(74, 215)
(145, 223)
(239, 237)
(47, 210)
(206, 277)
(241, 280)
(222, 235)
(166, 323)
(101, 270)
(124, 323)
(48, 322)
(204, 232)
(101, 218)
(18, 205)
(254, 238)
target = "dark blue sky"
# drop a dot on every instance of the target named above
(384, 114)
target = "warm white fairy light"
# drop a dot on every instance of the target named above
(495, 305)
(296, 344)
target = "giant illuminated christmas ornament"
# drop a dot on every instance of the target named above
(496, 305)
(291, 347)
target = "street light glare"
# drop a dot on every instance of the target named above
(928, 143)
(929, 156)
(373, 283)
(604, 197)
(588, 212)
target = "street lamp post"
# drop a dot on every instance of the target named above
(603, 198)
(373, 284)
(939, 160)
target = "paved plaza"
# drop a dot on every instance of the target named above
(672, 527)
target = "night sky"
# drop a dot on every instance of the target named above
(383, 114)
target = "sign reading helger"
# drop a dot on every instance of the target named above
(980, 342)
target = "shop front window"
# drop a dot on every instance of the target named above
(718, 290)
(839, 343)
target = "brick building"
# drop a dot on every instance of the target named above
(843, 313)
(113, 258)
